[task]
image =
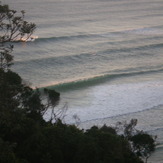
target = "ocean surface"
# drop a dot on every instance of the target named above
(105, 57)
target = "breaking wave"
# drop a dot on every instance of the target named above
(97, 79)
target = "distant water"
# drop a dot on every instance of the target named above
(104, 56)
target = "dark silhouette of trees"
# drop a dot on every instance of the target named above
(142, 144)
(13, 27)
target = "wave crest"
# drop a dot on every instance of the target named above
(97, 79)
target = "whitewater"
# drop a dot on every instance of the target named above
(105, 57)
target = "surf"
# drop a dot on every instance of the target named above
(98, 79)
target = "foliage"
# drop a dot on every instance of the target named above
(142, 144)
(13, 27)
(6, 152)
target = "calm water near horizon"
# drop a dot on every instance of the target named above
(105, 57)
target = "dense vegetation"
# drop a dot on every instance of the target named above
(25, 137)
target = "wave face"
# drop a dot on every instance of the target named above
(99, 79)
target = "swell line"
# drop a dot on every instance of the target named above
(97, 54)
(144, 47)
(145, 30)
(94, 80)
(59, 38)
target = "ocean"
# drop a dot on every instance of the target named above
(105, 57)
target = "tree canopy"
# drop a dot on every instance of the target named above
(13, 27)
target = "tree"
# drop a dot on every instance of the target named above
(142, 144)
(21, 108)
(13, 27)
